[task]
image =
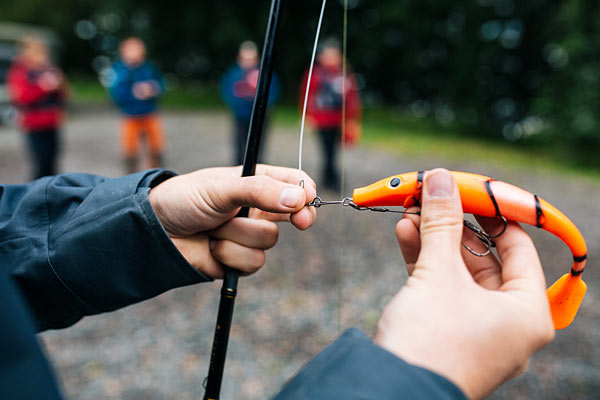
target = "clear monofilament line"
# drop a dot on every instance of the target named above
(310, 70)
(343, 139)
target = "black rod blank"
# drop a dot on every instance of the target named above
(255, 132)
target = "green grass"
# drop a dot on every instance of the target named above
(389, 131)
(192, 96)
(87, 91)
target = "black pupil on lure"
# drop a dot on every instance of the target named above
(395, 182)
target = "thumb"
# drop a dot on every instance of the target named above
(262, 192)
(441, 221)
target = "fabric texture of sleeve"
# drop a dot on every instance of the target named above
(24, 373)
(78, 245)
(354, 368)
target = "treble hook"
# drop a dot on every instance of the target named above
(486, 239)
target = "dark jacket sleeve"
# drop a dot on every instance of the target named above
(24, 373)
(354, 368)
(77, 245)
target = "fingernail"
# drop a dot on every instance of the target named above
(290, 197)
(440, 184)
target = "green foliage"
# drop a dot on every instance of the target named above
(522, 71)
(570, 96)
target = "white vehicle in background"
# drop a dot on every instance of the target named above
(10, 33)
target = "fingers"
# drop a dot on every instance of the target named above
(409, 241)
(196, 250)
(273, 193)
(441, 224)
(521, 267)
(261, 192)
(305, 217)
(289, 175)
(240, 243)
(486, 271)
(247, 260)
(255, 233)
(302, 219)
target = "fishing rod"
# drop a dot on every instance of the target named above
(230, 281)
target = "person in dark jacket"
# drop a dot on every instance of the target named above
(76, 245)
(38, 90)
(325, 108)
(135, 87)
(238, 87)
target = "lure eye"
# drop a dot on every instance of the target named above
(395, 182)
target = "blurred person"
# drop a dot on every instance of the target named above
(238, 87)
(136, 88)
(324, 108)
(76, 245)
(38, 90)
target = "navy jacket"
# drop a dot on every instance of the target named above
(121, 81)
(238, 87)
(77, 245)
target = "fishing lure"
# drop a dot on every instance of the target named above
(484, 196)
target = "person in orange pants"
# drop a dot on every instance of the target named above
(133, 130)
(135, 88)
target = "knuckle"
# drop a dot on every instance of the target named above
(441, 222)
(217, 249)
(270, 234)
(258, 188)
(256, 261)
(252, 188)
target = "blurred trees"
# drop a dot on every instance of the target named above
(518, 70)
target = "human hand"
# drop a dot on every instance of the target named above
(50, 81)
(197, 210)
(474, 320)
(145, 90)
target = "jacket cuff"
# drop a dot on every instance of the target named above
(353, 367)
(113, 251)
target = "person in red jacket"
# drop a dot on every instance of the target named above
(324, 108)
(38, 90)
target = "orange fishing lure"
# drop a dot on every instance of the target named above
(484, 196)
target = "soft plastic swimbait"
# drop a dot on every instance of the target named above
(484, 196)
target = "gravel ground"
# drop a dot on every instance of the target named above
(289, 310)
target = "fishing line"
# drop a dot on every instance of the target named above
(342, 183)
(310, 71)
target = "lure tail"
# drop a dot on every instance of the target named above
(565, 296)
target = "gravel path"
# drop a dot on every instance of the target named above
(286, 313)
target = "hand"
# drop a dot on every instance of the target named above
(197, 210)
(145, 90)
(474, 320)
(50, 81)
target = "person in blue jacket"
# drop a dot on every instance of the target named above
(238, 87)
(75, 245)
(135, 87)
